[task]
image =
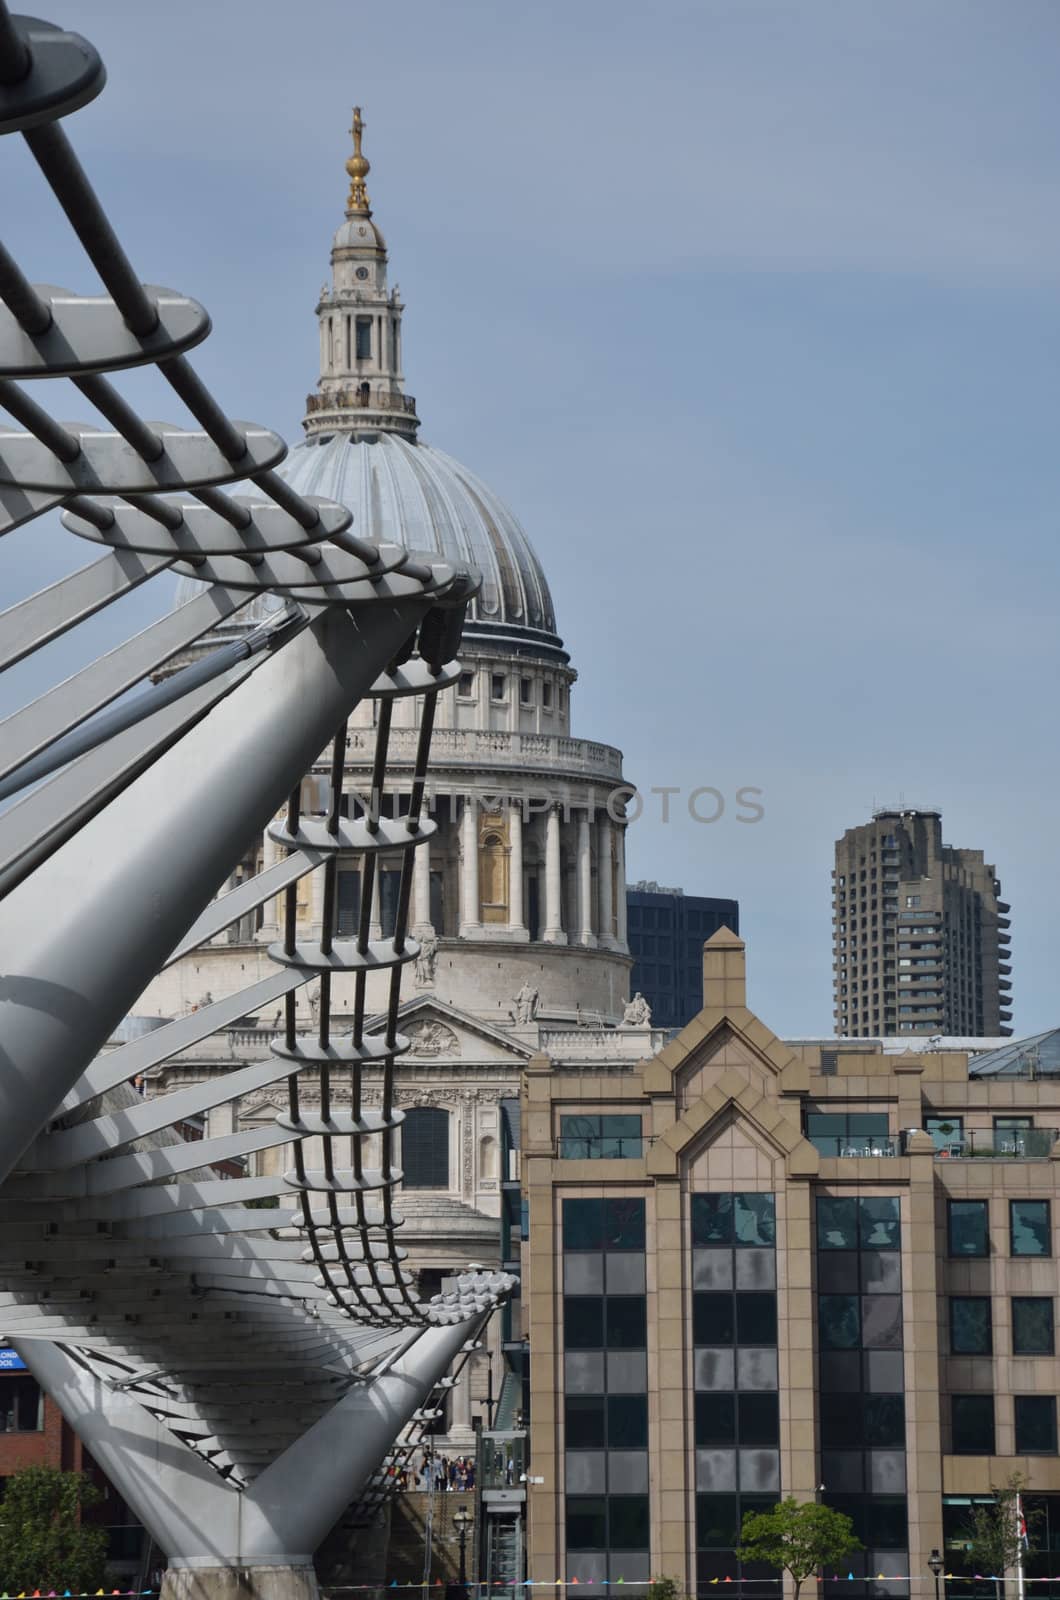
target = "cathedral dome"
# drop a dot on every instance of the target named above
(361, 451)
(412, 494)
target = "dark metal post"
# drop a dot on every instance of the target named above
(936, 1563)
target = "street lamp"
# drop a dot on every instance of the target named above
(462, 1522)
(936, 1563)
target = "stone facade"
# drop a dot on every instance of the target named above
(808, 1266)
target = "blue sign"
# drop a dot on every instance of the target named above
(10, 1361)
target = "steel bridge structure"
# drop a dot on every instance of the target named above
(239, 1353)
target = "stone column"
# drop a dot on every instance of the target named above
(273, 909)
(470, 909)
(316, 900)
(585, 883)
(620, 910)
(604, 847)
(553, 933)
(460, 1409)
(421, 883)
(375, 926)
(516, 917)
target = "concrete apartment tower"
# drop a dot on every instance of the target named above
(920, 940)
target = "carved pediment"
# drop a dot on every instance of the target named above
(438, 1030)
(431, 1038)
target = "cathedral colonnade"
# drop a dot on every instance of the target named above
(508, 870)
(555, 874)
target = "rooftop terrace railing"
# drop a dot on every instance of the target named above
(1009, 1144)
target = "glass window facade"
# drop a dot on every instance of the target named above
(861, 1401)
(1042, 1514)
(737, 1408)
(605, 1406)
(605, 1138)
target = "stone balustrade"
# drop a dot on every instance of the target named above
(601, 1045)
(553, 753)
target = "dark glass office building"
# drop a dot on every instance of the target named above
(666, 930)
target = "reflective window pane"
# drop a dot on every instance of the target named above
(755, 1269)
(754, 1219)
(756, 1319)
(715, 1419)
(837, 1223)
(947, 1132)
(712, 1218)
(972, 1416)
(579, 1137)
(840, 1419)
(840, 1373)
(583, 1322)
(627, 1322)
(1029, 1227)
(839, 1321)
(879, 1223)
(837, 1271)
(884, 1371)
(627, 1421)
(883, 1418)
(583, 1417)
(586, 1522)
(1032, 1326)
(758, 1419)
(623, 1224)
(717, 1521)
(1035, 1416)
(712, 1319)
(629, 1524)
(620, 1137)
(970, 1333)
(968, 1228)
(583, 1224)
(888, 1523)
(881, 1271)
(881, 1321)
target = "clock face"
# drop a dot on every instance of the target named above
(362, 272)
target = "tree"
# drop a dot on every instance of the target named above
(797, 1538)
(44, 1544)
(664, 1588)
(993, 1534)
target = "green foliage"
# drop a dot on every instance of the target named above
(43, 1542)
(992, 1531)
(797, 1538)
(664, 1589)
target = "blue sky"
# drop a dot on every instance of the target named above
(750, 310)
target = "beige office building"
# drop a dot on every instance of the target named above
(920, 941)
(753, 1268)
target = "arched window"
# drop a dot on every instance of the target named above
(425, 1148)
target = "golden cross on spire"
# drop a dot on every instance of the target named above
(358, 168)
